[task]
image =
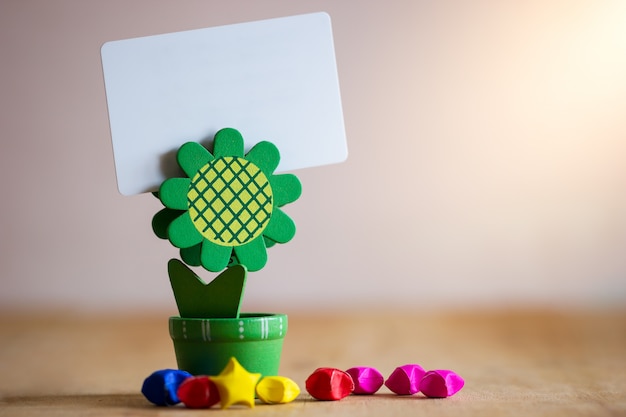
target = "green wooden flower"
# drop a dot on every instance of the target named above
(227, 209)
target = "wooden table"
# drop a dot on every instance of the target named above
(514, 363)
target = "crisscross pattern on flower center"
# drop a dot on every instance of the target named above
(230, 201)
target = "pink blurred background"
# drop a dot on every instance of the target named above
(487, 145)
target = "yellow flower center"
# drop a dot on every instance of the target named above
(230, 201)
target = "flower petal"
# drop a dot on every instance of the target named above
(252, 255)
(162, 220)
(191, 157)
(214, 257)
(280, 228)
(228, 142)
(286, 188)
(182, 233)
(191, 255)
(173, 193)
(265, 155)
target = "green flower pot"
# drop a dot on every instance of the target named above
(204, 346)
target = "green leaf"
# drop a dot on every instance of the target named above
(286, 188)
(161, 221)
(265, 155)
(191, 157)
(253, 254)
(228, 142)
(214, 257)
(173, 193)
(182, 233)
(221, 298)
(281, 228)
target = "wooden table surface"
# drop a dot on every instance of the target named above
(536, 363)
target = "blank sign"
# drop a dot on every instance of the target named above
(272, 80)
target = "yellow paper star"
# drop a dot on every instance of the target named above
(236, 385)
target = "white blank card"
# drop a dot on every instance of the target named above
(272, 80)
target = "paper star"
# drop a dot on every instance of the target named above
(236, 385)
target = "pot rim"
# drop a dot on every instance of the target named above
(248, 327)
